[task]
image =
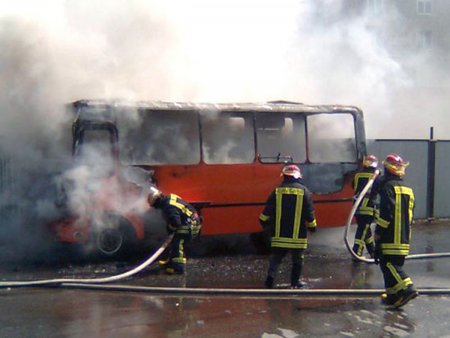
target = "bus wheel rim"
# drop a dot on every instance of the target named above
(109, 241)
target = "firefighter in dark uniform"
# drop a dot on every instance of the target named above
(393, 231)
(183, 220)
(365, 214)
(287, 216)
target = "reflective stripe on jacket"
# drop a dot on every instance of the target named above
(288, 213)
(395, 217)
(181, 217)
(359, 182)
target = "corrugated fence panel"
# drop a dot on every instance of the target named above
(442, 186)
(414, 151)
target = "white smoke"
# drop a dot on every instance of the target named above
(198, 50)
(56, 51)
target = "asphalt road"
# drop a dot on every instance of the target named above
(76, 312)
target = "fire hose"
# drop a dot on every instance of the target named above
(115, 278)
(349, 222)
(246, 292)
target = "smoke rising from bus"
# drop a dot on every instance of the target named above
(53, 52)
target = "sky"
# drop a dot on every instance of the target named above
(57, 51)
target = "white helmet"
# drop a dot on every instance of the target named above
(291, 170)
(153, 195)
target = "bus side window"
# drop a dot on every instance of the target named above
(331, 138)
(281, 137)
(161, 137)
(227, 138)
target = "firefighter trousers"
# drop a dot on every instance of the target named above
(276, 257)
(177, 259)
(363, 235)
(396, 280)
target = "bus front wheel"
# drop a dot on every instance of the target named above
(114, 238)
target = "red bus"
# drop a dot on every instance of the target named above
(223, 158)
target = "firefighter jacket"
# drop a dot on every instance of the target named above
(360, 180)
(393, 229)
(288, 213)
(181, 217)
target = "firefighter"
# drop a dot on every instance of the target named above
(365, 214)
(183, 220)
(393, 231)
(287, 216)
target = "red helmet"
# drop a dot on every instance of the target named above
(370, 161)
(291, 170)
(395, 165)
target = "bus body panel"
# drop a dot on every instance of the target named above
(231, 197)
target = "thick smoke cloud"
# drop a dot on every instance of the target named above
(308, 51)
(55, 51)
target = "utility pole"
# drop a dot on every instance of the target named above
(431, 174)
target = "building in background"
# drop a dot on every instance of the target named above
(413, 34)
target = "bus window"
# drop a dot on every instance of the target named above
(169, 137)
(331, 138)
(227, 138)
(281, 137)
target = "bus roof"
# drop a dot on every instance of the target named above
(280, 106)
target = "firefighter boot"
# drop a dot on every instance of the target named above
(176, 266)
(296, 272)
(269, 282)
(173, 271)
(405, 296)
(357, 250)
(389, 299)
(164, 263)
(297, 285)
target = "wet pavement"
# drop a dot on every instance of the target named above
(73, 312)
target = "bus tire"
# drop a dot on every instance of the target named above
(116, 239)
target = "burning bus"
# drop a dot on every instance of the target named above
(223, 158)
